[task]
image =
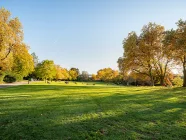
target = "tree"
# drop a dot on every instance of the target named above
(106, 74)
(23, 63)
(14, 56)
(175, 41)
(137, 56)
(65, 74)
(84, 76)
(11, 36)
(118, 79)
(46, 70)
(35, 59)
(177, 81)
(77, 70)
(59, 74)
(146, 54)
(94, 77)
(73, 73)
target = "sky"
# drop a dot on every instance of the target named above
(88, 34)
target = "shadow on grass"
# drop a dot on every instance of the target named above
(121, 114)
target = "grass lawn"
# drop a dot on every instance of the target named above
(80, 111)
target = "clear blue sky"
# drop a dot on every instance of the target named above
(88, 34)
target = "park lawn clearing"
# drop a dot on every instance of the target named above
(85, 111)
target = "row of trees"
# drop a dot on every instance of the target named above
(154, 53)
(47, 70)
(15, 60)
(148, 58)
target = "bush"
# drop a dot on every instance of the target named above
(177, 81)
(9, 79)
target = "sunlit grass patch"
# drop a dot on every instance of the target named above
(87, 111)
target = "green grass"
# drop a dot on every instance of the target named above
(79, 111)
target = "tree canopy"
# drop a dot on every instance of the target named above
(106, 74)
(14, 56)
(46, 70)
(175, 41)
(149, 56)
(146, 54)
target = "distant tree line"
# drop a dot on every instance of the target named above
(148, 58)
(47, 70)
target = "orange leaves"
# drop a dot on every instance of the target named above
(107, 74)
(11, 36)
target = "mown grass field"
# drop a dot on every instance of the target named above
(79, 111)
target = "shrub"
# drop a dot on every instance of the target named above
(177, 81)
(9, 79)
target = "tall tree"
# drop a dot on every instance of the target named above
(146, 54)
(175, 41)
(11, 41)
(11, 34)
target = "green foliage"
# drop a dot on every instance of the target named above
(14, 55)
(23, 63)
(77, 71)
(119, 79)
(177, 81)
(73, 74)
(46, 70)
(2, 75)
(9, 79)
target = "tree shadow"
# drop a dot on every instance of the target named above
(137, 114)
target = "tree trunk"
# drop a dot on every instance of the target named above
(151, 77)
(2, 75)
(162, 80)
(152, 81)
(184, 72)
(184, 78)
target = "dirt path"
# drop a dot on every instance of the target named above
(12, 84)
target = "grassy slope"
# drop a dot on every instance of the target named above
(60, 111)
